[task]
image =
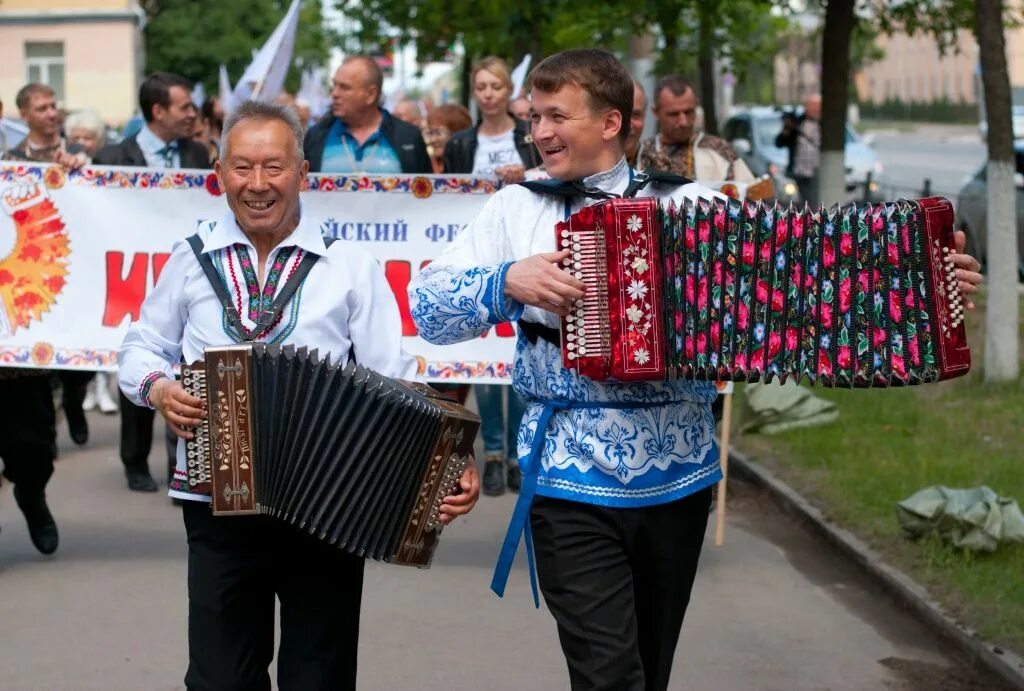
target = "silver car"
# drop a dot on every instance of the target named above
(971, 209)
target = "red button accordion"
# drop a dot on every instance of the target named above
(856, 296)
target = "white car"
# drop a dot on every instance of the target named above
(752, 133)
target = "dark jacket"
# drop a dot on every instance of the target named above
(461, 148)
(127, 153)
(405, 139)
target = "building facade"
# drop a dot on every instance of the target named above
(913, 70)
(89, 51)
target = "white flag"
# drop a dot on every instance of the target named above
(519, 76)
(227, 98)
(263, 79)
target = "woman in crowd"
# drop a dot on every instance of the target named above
(498, 146)
(441, 123)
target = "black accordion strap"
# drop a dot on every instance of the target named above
(533, 331)
(268, 317)
(641, 180)
(560, 188)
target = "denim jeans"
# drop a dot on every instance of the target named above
(501, 412)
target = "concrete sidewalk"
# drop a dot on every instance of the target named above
(772, 609)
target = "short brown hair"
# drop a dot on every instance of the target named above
(26, 93)
(598, 72)
(675, 84)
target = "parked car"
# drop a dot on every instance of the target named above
(972, 206)
(752, 133)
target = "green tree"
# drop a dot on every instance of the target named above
(740, 31)
(193, 38)
(987, 19)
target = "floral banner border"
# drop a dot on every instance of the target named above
(420, 186)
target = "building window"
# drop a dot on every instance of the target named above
(44, 64)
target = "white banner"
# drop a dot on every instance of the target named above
(79, 252)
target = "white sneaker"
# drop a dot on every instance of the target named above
(89, 402)
(105, 401)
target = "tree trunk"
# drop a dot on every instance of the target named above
(1002, 310)
(641, 64)
(835, 81)
(706, 65)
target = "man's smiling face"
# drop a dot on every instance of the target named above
(573, 139)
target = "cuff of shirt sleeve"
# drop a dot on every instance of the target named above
(504, 309)
(147, 384)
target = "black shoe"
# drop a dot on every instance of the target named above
(494, 478)
(140, 481)
(41, 526)
(77, 425)
(513, 477)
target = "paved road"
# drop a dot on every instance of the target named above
(943, 153)
(772, 609)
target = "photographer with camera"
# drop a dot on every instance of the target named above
(801, 135)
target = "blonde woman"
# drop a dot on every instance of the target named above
(498, 145)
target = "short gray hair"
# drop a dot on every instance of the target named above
(258, 110)
(87, 119)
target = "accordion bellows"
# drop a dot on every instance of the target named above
(853, 296)
(350, 456)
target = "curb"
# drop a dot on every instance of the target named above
(1003, 663)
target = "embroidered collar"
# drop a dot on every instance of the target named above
(613, 180)
(307, 235)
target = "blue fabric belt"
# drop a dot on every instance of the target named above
(519, 525)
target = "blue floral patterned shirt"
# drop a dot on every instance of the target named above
(613, 457)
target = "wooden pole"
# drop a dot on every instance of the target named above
(724, 460)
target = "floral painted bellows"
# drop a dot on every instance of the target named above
(854, 296)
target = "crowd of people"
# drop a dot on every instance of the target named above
(615, 566)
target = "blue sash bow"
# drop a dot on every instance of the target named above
(520, 523)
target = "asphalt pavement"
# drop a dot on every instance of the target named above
(773, 608)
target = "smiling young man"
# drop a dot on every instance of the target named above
(621, 472)
(344, 307)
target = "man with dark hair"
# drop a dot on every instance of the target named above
(344, 306)
(621, 472)
(678, 147)
(358, 136)
(165, 141)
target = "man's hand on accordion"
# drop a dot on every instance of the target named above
(540, 282)
(456, 505)
(182, 411)
(968, 270)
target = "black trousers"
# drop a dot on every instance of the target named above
(618, 582)
(137, 437)
(28, 434)
(236, 565)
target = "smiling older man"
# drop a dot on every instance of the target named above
(344, 307)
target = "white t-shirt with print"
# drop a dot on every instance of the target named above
(494, 152)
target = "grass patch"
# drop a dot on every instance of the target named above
(885, 446)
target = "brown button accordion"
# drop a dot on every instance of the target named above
(853, 296)
(359, 460)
